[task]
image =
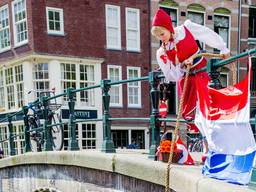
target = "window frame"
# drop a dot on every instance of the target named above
(120, 87)
(138, 48)
(77, 82)
(2, 90)
(10, 88)
(108, 45)
(55, 32)
(139, 88)
(7, 28)
(204, 14)
(249, 37)
(227, 77)
(16, 43)
(229, 27)
(37, 80)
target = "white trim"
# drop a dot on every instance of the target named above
(229, 27)
(109, 46)
(18, 44)
(119, 67)
(55, 32)
(8, 47)
(139, 88)
(137, 11)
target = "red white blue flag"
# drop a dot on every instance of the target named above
(223, 116)
(185, 157)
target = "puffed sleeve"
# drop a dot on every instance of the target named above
(171, 72)
(207, 36)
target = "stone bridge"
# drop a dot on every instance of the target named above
(92, 170)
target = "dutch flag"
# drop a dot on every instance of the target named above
(223, 117)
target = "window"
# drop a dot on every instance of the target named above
(55, 22)
(173, 15)
(132, 29)
(113, 27)
(85, 135)
(88, 136)
(198, 18)
(252, 22)
(4, 29)
(87, 80)
(2, 95)
(120, 138)
(21, 138)
(9, 79)
(66, 136)
(4, 136)
(20, 22)
(114, 74)
(68, 76)
(41, 78)
(224, 79)
(221, 26)
(79, 76)
(134, 88)
(19, 84)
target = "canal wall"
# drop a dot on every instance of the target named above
(91, 170)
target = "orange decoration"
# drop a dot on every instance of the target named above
(165, 146)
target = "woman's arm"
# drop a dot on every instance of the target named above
(207, 36)
(171, 72)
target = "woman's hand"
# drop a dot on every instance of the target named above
(225, 56)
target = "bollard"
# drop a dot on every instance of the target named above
(11, 139)
(154, 123)
(213, 74)
(47, 130)
(73, 143)
(26, 129)
(107, 145)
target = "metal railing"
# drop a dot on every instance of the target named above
(154, 119)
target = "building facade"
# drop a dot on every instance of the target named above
(61, 44)
(248, 41)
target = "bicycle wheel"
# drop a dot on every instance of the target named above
(34, 136)
(198, 146)
(56, 132)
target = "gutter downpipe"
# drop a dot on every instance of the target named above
(239, 37)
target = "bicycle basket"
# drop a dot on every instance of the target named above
(54, 106)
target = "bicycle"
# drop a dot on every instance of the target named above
(36, 136)
(195, 144)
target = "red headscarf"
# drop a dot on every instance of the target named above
(162, 19)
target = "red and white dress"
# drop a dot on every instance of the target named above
(181, 48)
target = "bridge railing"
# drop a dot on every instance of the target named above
(154, 119)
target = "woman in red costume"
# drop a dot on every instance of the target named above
(178, 45)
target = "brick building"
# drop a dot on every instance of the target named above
(61, 44)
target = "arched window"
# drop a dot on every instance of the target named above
(222, 23)
(196, 13)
